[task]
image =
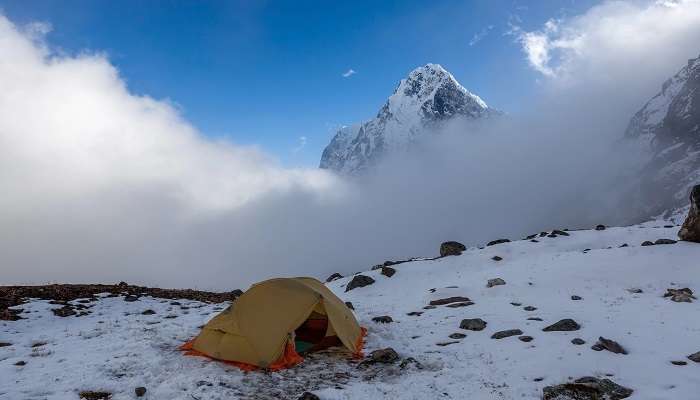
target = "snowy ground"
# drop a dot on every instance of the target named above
(116, 348)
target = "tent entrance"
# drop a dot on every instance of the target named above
(312, 336)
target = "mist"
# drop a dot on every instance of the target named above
(103, 185)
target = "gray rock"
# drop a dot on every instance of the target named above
(388, 271)
(525, 339)
(600, 227)
(506, 333)
(678, 362)
(529, 308)
(684, 295)
(588, 388)
(578, 341)
(647, 243)
(495, 282)
(359, 281)
(611, 345)
(140, 391)
(690, 231)
(448, 300)
(497, 241)
(148, 312)
(415, 313)
(695, 357)
(497, 258)
(384, 356)
(664, 241)
(442, 344)
(333, 277)
(576, 298)
(451, 248)
(457, 335)
(408, 361)
(474, 324)
(460, 304)
(564, 325)
(130, 298)
(384, 319)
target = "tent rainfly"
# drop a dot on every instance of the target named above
(276, 320)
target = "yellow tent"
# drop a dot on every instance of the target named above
(269, 323)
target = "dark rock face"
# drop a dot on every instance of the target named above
(475, 324)
(587, 388)
(448, 300)
(690, 231)
(451, 249)
(384, 319)
(684, 295)
(564, 325)
(610, 345)
(506, 333)
(497, 241)
(333, 277)
(359, 281)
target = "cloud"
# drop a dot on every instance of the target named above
(613, 34)
(301, 145)
(480, 35)
(349, 73)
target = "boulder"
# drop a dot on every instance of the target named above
(333, 277)
(578, 341)
(495, 282)
(587, 388)
(473, 324)
(564, 325)
(448, 300)
(600, 227)
(684, 295)
(451, 248)
(610, 345)
(140, 391)
(695, 357)
(525, 339)
(384, 356)
(690, 230)
(647, 243)
(384, 319)
(236, 293)
(664, 241)
(388, 271)
(359, 281)
(506, 333)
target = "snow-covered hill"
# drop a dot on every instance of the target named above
(428, 96)
(117, 347)
(668, 126)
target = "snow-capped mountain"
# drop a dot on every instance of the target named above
(427, 97)
(669, 128)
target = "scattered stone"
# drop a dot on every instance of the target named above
(349, 305)
(140, 391)
(359, 281)
(684, 295)
(635, 290)
(460, 304)
(415, 313)
(578, 341)
(89, 395)
(129, 298)
(333, 277)
(65, 311)
(497, 241)
(525, 339)
(690, 230)
(497, 258)
(457, 335)
(5, 344)
(442, 344)
(588, 388)
(695, 357)
(308, 396)
(679, 363)
(474, 324)
(564, 325)
(647, 243)
(451, 248)
(388, 271)
(535, 241)
(597, 347)
(611, 345)
(600, 227)
(529, 308)
(429, 307)
(148, 312)
(560, 233)
(384, 319)
(623, 245)
(495, 282)
(448, 300)
(665, 241)
(506, 333)
(534, 319)
(516, 304)
(384, 356)
(574, 297)
(406, 362)
(540, 379)
(21, 363)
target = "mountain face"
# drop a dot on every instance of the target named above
(669, 126)
(428, 97)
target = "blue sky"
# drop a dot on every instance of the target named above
(269, 72)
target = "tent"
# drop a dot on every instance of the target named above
(275, 320)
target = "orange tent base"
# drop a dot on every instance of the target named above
(289, 358)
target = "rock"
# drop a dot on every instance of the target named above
(560, 233)
(388, 271)
(457, 335)
(308, 396)
(384, 319)
(89, 395)
(333, 277)
(497, 258)
(578, 341)
(148, 312)
(635, 290)
(429, 307)
(140, 391)
(611, 345)
(236, 293)
(690, 230)
(446, 343)
(384, 356)
(497, 241)
(21, 363)
(664, 241)
(448, 300)
(474, 324)
(495, 282)
(64, 311)
(129, 298)
(415, 313)
(576, 298)
(623, 245)
(506, 333)
(588, 388)
(647, 243)
(597, 347)
(529, 308)
(462, 304)
(679, 362)
(5, 344)
(684, 295)
(600, 227)
(564, 325)
(525, 339)
(406, 362)
(349, 305)
(359, 281)
(516, 304)
(695, 357)
(534, 319)
(451, 249)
